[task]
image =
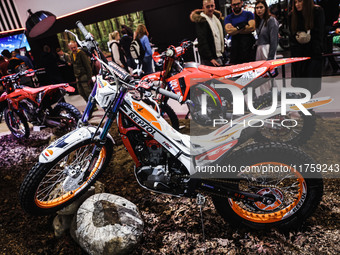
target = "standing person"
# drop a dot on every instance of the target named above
(125, 42)
(64, 57)
(50, 62)
(267, 30)
(117, 53)
(66, 70)
(306, 24)
(3, 65)
(82, 70)
(210, 33)
(240, 24)
(26, 59)
(142, 34)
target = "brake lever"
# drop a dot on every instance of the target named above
(77, 39)
(151, 98)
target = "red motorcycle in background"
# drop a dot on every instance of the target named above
(41, 106)
(188, 80)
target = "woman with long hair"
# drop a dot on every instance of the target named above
(142, 34)
(267, 30)
(306, 23)
(117, 53)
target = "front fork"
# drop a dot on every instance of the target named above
(111, 113)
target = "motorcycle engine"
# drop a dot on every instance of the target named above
(160, 171)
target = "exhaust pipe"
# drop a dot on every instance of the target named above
(52, 123)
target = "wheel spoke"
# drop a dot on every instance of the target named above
(51, 187)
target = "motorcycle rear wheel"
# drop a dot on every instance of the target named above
(296, 196)
(48, 187)
(17, 123)
(68, 115)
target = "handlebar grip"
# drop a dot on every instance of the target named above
(82, 29)
(167, 93)
(120, 72)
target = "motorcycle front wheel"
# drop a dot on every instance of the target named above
(49, 187)
(169, 113)
(17, 123)
(276, 170)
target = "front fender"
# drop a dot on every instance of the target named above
(67, 141)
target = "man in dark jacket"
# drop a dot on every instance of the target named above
(82, 70)
(240, 24)
(210, 33)
(125, 42)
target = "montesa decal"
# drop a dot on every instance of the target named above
(141, 123)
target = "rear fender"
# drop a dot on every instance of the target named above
(280, 62)
(69, 88)
(75, 137)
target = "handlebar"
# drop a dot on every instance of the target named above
(15, 76)
(91, 46)
(147, 85)
(83, 30)
(175, 52)
(169, 94)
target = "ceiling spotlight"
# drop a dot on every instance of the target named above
(39, 22)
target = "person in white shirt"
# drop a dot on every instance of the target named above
(210, 33)
(117, 52)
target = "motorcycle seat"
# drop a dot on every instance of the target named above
(33, 90)
(226, 70)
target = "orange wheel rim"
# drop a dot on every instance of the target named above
(69, 195)
(273, 216)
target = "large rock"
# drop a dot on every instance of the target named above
(72, 208)
(63, 220)
(107, 224)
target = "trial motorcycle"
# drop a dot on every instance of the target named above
(169, 162)
(192, 81)
(22, 104)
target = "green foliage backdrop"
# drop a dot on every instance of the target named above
(101, 30)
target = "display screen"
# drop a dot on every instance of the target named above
(13, 42)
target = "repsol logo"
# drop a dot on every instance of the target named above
(141, 123)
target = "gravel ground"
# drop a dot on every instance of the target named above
(172, 225)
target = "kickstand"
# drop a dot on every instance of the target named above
(200, 200)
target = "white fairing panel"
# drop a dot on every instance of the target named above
(65, 142)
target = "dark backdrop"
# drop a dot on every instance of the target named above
(167, 21)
